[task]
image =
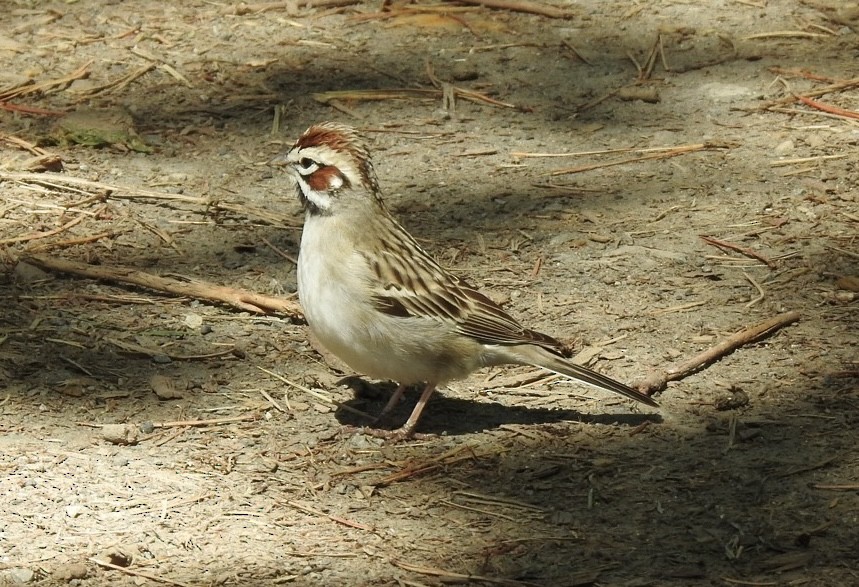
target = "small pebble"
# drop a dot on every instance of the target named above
(25, 274)
(165, 388)
(119, 558)
(120, 433)
(70, 572)
(17, 576)
(784, 147)
(735, 398)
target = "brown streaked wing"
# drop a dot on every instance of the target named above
(445, 298)
(415, 297)
(489, 324)
(411, 284)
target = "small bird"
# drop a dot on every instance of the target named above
(374, 298)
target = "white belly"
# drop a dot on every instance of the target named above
(338, 308)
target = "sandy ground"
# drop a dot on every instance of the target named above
(149, 438)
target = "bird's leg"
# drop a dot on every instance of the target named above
(395, 399)
(407, 429)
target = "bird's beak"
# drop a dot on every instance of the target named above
(280, 160)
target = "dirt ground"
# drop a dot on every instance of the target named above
(149, 438)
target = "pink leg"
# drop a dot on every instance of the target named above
(408, 428)
(395, 399)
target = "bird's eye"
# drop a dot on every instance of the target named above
(306, 162)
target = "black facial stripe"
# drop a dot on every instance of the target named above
(309, 205)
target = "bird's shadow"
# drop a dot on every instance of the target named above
(453, 416)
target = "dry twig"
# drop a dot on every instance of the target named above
(829, 108)
(658, 381)
(443, 10)
(109, 191)
(38, 235)
(329, 98)
(572, 48)
(29, 110)
(761, 294)
(26, 145)
(802, 73)
(738, 248)
(837, 486)
(242, 299)
(800, 160)
(832, 88)
(44, 87)
(340, 520)
(242, 8)
(160, 352)
(522, 6)
(414, 469)
(785, 35)
(661, 154)
(205, 423)
(134, 573)
(73, 241)
(317, 395)
(117, 84)
(63, 181)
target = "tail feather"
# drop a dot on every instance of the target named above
(540, 357)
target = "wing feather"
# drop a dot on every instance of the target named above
(410, 284)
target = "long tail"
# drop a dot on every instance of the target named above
(540, 357)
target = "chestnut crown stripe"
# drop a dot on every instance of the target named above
(339, 139)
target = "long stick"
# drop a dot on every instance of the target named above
(836, 87)
(742, 250)
(238, 298)
(134, 573)
(523, 6)
(681, 150)
(658, 381)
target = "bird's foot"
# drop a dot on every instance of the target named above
(392, 436)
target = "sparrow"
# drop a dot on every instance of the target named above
(375, 299)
